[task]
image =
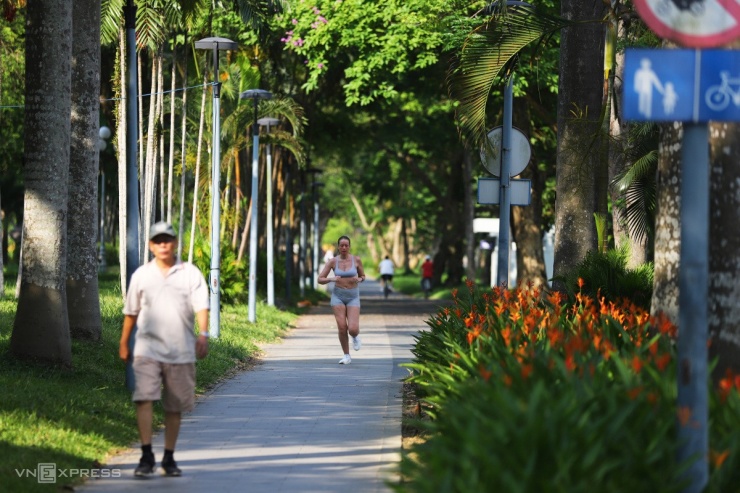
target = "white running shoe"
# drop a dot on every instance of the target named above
(356, 343)
(345, 360)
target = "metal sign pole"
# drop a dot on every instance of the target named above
(693, 287)
(502, 272)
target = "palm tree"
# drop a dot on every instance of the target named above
(41, 325)
(82, 267)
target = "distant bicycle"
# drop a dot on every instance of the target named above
(718, 96)
(426, 286)
(386, 290)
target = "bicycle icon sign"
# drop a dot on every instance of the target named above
(719, 96)
(682, 85)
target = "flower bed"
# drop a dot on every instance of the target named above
(530, 394)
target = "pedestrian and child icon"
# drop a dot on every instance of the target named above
(645, 80)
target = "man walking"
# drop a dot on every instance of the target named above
(164, 296)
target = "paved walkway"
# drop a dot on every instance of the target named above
(298, 422)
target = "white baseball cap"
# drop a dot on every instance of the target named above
(161, 228)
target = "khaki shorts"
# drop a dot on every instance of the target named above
(178, 381)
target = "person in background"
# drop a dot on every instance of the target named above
(387, 270)
(427, 272)
(345, 297)
(163, 298)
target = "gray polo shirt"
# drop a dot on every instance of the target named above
(166, 308)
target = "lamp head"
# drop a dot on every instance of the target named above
(256, 94)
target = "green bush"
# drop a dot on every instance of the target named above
(233, 275)
(531, 394)
(606, 274)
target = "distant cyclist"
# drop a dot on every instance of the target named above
(427, 272)
(386, 273)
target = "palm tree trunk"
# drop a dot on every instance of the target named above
(724, 248)
(237, 197)
(83, 300)
(668, 224)
(150, 175)
(183, 149)
(198, 155)
(142, 154)
(121, 147)
(160, 134)
(579, 107)
(171, 165)
(526, 222)
(41, 325)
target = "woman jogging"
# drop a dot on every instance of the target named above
(345, 297)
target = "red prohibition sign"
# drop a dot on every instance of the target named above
(692, 23)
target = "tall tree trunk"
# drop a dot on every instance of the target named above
(41, 325)
(150, 164)
(160, 135)
(237, 197)
(183, 149)
(122, 158)
(668, 223)
(638, 245)
(83, 299)
(171, 164)
(526, 224)
(579, 108)
(724, 247)
(197, 170)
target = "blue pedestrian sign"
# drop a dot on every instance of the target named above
(682, 85)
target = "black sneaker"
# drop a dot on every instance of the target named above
(170, 468)
(145, 468)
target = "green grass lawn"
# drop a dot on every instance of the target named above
(76, 418)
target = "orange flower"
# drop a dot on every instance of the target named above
(581, 283)
(469, 320)
(634, 393)
(507, 380)
(486, 374)
(526, 371)
(636, 364)
(662, 361)
(499, 308)
(454, 293)
(506, 334)
(470, 284)
(475, 333)
(726, 385)
(570, 363)
(718, 458)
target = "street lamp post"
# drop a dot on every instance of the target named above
(255, 95)
(103, 134)
(268, 122)
(215, 44)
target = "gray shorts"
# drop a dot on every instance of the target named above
(178, 381)
(347, 297)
